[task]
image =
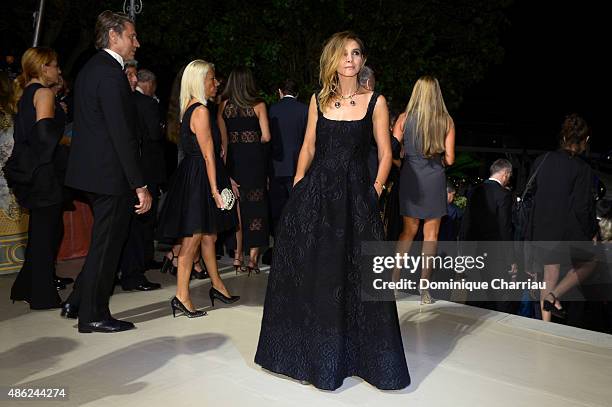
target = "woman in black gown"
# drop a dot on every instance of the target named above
(316, 327)
(192, 210)
(38, 129)
(243, 121)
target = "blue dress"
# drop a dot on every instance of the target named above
(422, 191)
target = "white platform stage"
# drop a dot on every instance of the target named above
(457, 356)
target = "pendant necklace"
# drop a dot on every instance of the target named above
(337, 104)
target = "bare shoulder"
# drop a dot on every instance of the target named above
(313, 100)
(380, 99)
(200, 112)
(451, 123)
(44, 94)
(44, 98)
(259, 107)
(380, 103)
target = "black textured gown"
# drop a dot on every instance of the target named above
(315, 325)
(189, 206)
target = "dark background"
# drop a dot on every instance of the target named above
(509, 70)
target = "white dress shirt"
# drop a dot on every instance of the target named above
(113, 54)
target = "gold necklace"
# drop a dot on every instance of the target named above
(337, 104)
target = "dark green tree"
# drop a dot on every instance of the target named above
(455, 40)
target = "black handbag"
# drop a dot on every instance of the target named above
(521, 213)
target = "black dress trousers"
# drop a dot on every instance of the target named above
(95, 282)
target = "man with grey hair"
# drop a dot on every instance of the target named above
(138, 253)
(488, 221)
(147, 83)
(131, 71)
(368, 81)
(367, 78)
(104, 163)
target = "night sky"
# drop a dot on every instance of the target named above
(552, 67)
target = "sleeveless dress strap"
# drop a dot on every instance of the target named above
(316, 95)
(191, 108)
(372, 103)
(36, 86)
(196, 104)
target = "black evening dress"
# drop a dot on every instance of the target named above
(315, 326)
(189, 206)
(43, 195)
(247, 165)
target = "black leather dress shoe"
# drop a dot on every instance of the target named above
(64, 280)
(58, 284)
(106, 326)
(69, 311)
(144, 286)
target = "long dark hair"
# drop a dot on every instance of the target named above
(241, 88)
(173, 122)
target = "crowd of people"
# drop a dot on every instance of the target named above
(320, 178)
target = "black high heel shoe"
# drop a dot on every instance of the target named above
(168, 264)
(253, 268)
(176, 304)
(238, 265)
(199, 275)
(550, 306)
(214, 293)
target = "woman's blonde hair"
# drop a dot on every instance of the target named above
(332, 54)
(605, 227)
(192, 84)
(427, 106)
(32, 62)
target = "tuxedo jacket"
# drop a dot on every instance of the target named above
(488, 220)
(488, 216)
(150, 138)
(288, 119)
(104, 151)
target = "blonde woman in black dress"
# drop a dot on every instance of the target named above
(38, 130)
(427, 132)
(192, 210)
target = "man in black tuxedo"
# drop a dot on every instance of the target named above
(288, 119)
(104, 163)
(367, 80)
(138, 252)
(488, 221)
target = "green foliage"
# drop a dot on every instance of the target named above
(460, 201)
(455, 40)
(464, 162)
